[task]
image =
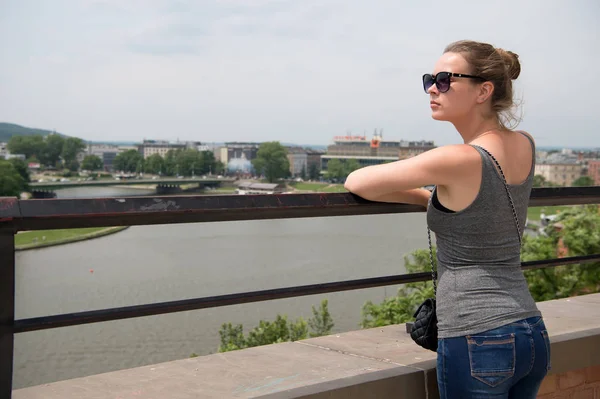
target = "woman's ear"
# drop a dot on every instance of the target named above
(485, 91)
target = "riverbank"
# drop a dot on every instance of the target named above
(47, 238)
(534, 213)
(314, 187)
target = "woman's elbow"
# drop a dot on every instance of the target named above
(354, 185)
(351, 184)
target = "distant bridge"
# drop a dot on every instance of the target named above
(163, 186)
(127, 182)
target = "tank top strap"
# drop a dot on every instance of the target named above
(489, 167)
(532, 170)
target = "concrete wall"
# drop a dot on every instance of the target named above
(375, 363)
(580, 384)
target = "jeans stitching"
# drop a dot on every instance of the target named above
(487, 343)
(507, 374)
(537, 323)
(532, 344)
(444, 369)
(546, 340)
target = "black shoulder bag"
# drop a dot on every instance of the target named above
(424, 330)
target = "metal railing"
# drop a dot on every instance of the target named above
(19, 215)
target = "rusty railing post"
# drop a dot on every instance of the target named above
(7, 309)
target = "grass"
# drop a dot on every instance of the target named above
(44, 238)
(222, 190)
(535, 212)
(319, 187)
(335, 188)
(308, 186)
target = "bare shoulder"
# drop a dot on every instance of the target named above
(457, 154)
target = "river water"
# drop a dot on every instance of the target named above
(146, 264)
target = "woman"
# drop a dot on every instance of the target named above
(492, 341)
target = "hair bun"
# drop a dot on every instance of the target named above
(511, 60)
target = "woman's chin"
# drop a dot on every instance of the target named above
(438, 115)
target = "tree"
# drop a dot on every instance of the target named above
(335, 169)
(209, 162)
(54, 148)
(232, 337)
(92, 162)
(579, 235)
(313, 172)
(170, 162)
(128, 161)
(279, 330)
(155, 164)
(72, 146)
(351, 166)
(583, 181)
(267, 332)
(219, 168)
(72, 165)
(321, 323)
(400, 308)
(27, 145)
(272, 161)
(539, 181)
(12, 184)
(21, 167)
(189, 162)
(340, 169)
(303, 173)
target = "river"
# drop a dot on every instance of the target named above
(146, 264)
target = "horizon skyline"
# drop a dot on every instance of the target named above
(275, 69)
(283, 142)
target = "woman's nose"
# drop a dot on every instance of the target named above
(433, 89)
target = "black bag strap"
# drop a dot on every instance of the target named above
(512, 205)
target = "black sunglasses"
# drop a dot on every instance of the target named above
(442, 80)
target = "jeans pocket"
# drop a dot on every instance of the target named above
(547, 345)
(492, 358)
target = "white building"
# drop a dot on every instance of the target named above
(160, 147)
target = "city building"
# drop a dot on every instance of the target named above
(160, 147)
(594, 171)
(374, 151)
(409, 149)
(246, 187)
(196, 145)
(4, 150)
(107, 153)
(298, 159)
(563, 173)
(313, 160)
(5, 153)
(238, 150)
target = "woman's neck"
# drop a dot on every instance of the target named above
(470, 129)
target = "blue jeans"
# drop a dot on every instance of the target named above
(507, 362)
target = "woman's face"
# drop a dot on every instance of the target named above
(461, 98)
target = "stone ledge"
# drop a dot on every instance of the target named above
(374, 363)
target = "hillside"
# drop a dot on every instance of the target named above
(7, 130)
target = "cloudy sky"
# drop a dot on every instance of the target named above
(297, 71)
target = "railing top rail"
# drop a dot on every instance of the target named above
(131, 211)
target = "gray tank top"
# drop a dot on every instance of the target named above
(480, 282)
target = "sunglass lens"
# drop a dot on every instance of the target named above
(442, 80)
(427, 81)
